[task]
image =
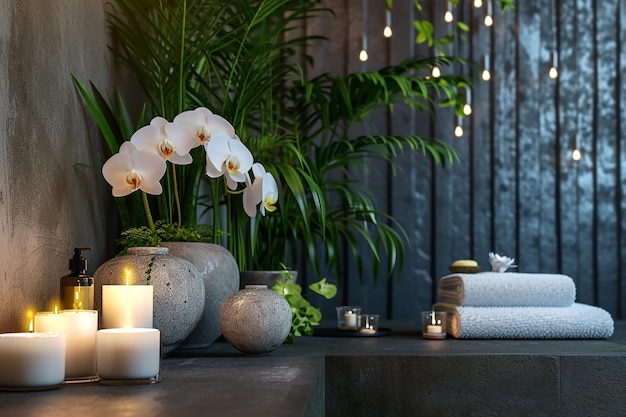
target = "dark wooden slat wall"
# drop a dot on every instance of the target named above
(517, 190)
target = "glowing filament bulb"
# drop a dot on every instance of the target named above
(576, 154)
(448, 17)
(488, 20)
(458, 131)
(553, 73)
(478, 4)
(486, 75)
(363, 55)
(436, 72)
(467, 109)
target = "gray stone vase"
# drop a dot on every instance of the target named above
(220, 274)
(178, 290)
(255, 320)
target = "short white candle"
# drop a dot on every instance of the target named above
(349, 320)
(128, 353)
(79, 327)
(31, 360)
(126, 306)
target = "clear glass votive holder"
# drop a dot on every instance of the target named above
(348, 317)
(369, 323)
(434, 324)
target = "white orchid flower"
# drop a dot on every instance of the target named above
(263, 190)
(153, 138)
(200, 124)
(131, 170)
(227, 156)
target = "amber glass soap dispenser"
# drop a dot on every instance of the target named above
(77, 288)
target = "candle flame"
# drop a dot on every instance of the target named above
(31, 326)
(127, 271)
(56, 309)
(432, 318)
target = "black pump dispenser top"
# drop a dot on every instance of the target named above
(78, 264)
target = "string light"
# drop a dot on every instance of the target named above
(387, 32)
(488, 21)
(436, 72)
(363, 56)
(448, 17)
(554, 65)
(458, 130)
(478, 4)
(576, 153)
(467, 108)
(486, 75)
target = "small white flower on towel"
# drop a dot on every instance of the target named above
(500, 263)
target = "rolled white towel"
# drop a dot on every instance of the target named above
(510, 289)
(578, 321)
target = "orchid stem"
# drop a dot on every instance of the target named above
(176, 197)
(146, 206)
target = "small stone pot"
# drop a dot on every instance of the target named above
(178, 289)
(255, 320)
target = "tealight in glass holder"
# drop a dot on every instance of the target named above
(348, 317)
(434, 324)
(369, 323)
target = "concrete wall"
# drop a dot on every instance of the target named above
(48, 204)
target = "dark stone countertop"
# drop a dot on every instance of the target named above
(220, 381)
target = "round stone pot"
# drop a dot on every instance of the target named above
(220, 274)
(178, 289)
(255, 320)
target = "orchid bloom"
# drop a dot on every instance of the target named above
(229, 157)
(153, 138)
(263, 190)
(131, 170)
(200, 124)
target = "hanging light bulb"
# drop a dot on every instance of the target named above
(387, 32)
(554, 66)
(486, 74)
(576, 155)
(467, 108)
(436, 72)
(448, 16)
(458, 130)
(478, 4)
(363, 56)
(488, 20)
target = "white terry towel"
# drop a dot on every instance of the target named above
(510, 289)
(578, 321)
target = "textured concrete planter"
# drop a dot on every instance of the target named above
(178, 290)
(255, 320)
(220, 274)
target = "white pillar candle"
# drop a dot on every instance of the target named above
(79, 327)
(31, 360)
(126, 306)
(128, 353)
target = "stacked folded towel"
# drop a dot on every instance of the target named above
(495, 305)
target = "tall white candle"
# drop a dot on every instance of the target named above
(127, 306)
(31, 360)
(79, 327)
(128, 353)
